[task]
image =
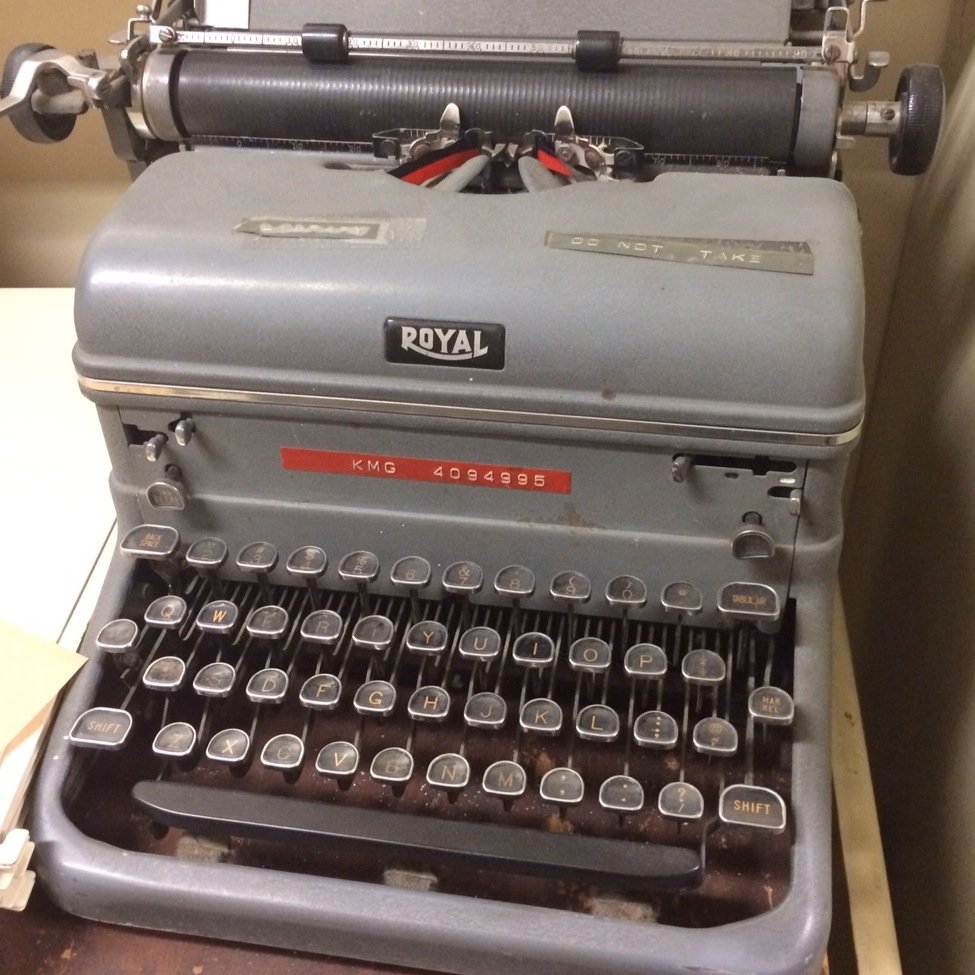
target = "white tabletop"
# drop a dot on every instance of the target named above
(54, 495)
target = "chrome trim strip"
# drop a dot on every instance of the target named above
(610, 424)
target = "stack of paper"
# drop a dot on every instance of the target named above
(32, 674)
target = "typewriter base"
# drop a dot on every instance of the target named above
(44, 939)
(435, 930)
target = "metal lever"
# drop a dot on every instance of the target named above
(93, 83)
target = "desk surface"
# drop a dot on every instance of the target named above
(60, 516)
(54, 486)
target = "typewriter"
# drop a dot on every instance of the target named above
(479, 384)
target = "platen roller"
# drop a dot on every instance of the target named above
(734, 111)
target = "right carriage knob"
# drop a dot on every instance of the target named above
(921, 96)
(911, 122)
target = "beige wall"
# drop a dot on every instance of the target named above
(909, 563)
(51, 196)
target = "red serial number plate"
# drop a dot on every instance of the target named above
(424, 469)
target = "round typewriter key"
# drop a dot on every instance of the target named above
(533, 650)
(682, 597)
(505, 779)
(338, 760)
(703, 667)
(479, 643)
(515, 581)
(374, 633)
(571, 587)
(411, 572)
(655, 729)
(392, 765)
(207, 553)
(283, 752)
(771, 705)
(622, 794)
(754, 806)
(463, 577)
(323, 626)
(626, 591)
(268, 686)
(427, 637)
(321, 692)
(117, 636)
(450, 771)
(430, 703)
(375, 698)
(103, 728)
(485, 710)
(542, 716)
(562, 786)
(267, 623)
(680, 800)
(219, 616)
(174, 741)
(645, 661)
(715, 736)
(164, 674)
(598, 722)
(230, 746)
(309, 561)
(154, 542)
(259, 557)
(166, 496)
(359, 567)
(590, 654)
(166, 612)
(215, 680)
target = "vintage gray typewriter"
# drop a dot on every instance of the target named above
(478, 385)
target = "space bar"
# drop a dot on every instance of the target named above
(400, 837)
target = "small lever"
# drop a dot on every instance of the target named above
(93, 83)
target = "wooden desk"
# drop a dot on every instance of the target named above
(57, 488)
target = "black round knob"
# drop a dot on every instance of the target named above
(31, 125)
(921, 93)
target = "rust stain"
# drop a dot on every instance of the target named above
(569, 516)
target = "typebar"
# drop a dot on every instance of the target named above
(426, 841)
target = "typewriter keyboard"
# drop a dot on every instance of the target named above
(546, 757)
